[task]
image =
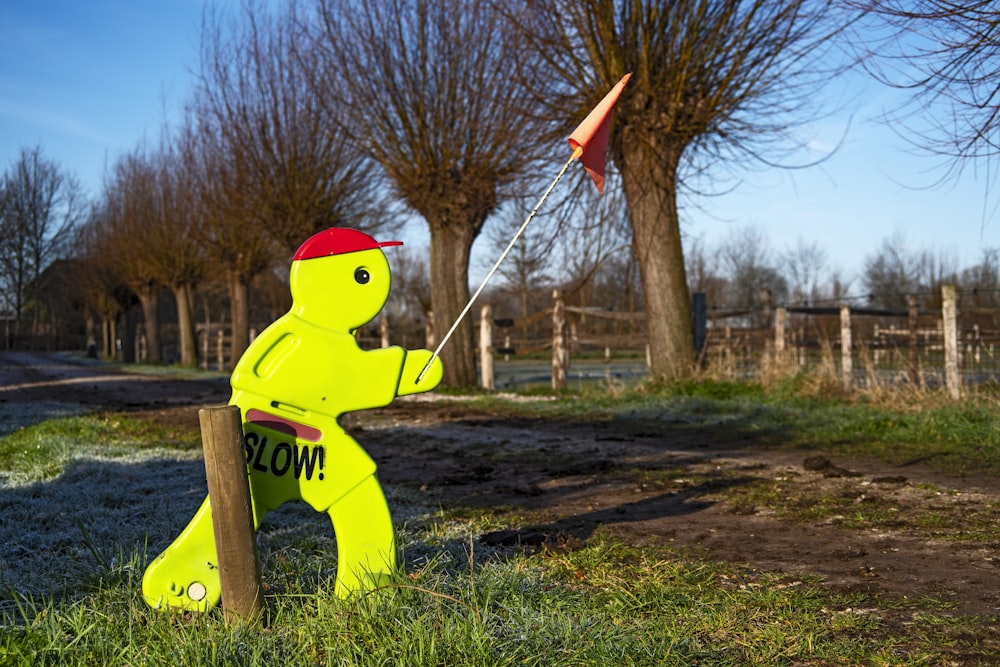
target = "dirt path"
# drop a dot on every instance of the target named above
(649, 480)
(33, 377)
(667, 483)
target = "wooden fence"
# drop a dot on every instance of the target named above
(926, 347)
(861, 346)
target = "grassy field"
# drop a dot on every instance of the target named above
(82, 502)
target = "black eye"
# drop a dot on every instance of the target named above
(361, 276)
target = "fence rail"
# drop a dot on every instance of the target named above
(861, 346)
(946, 347)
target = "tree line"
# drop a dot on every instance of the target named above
(372, 113)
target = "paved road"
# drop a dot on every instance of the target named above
(55, 377)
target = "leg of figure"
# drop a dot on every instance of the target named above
(366, 542)
(185, 577)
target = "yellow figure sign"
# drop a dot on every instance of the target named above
(291, 385)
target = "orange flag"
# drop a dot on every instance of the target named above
(589, 140)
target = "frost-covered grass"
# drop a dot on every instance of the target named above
(87, 500)
(75, 488)
(16, 416)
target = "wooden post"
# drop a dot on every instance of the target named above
(766, 323)
(558, 341)
(949, 315)
(911, 321)
(727, 353)
(766, 306)
(204, 349)
(383, 330)
(877, 344)
(232, 513)
(780, 317)
(801, 345)
(977, 345)
(699, 313)
(846, 362)
(487, 380)
(220, 350)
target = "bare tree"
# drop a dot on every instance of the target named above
(947, 54)
(937, 269)
(803, 264)
(748, 264)
(130, 205)
(592, 233)
(103, 294)
(713, 81)
(42, 204)
(429, 88)
(703, 272)
(983, 279)
(177, 253)
(8, 273)
(275, 165)
(892, 273)
(527, 269)
(409, 304)
(238, 250)
(147, 229)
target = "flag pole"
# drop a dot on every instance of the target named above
(465, 311)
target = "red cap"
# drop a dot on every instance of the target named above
(338, 241)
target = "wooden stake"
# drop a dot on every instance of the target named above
(232, 513)
(949, 313)
(911, 320)
(488, 379)
(559, 350)
(846, 361)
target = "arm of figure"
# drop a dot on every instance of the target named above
(264, 355)
(412, 366)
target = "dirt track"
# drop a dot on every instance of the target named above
(650, 479)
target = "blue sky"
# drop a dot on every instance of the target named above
(89, 80)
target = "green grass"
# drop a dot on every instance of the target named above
(907, 427)
(604, 604)
(42, 450)
(926, 512)
(456, 601)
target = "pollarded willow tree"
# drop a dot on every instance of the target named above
(713, 81)
(144, 229)
(129, 203)
(177, 251)
(427, 88)
(274, 166)
(100, 289)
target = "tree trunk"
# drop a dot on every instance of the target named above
(651, 191)
(183, 295)
(108, 335)
(239, 306)
(151, 318)
(451, 245)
